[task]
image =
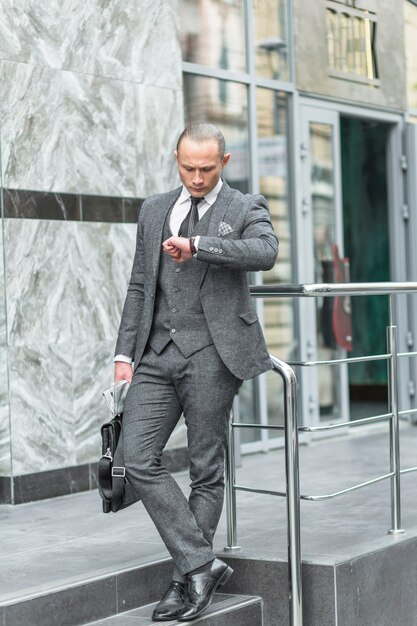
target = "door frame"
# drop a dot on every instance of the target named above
(314, 113)
(332, 110)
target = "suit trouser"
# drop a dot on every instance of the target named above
(163, 387)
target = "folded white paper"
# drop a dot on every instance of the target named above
(115, 396)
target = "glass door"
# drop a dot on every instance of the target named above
(324, 322)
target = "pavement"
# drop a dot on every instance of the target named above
(55, 544)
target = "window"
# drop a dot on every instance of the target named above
(271, 47)
(213, 33)
(351, 43)
(224, 104)
(243, 88)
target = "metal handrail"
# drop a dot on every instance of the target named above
(332, 289)
(292, 489)
(291, 429)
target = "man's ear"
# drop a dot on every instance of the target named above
(176, 155)
(226, 159)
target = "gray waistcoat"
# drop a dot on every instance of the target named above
(178, 314)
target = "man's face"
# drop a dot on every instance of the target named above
(200, 165)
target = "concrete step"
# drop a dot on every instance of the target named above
(126, 597)
(225, 610)
(375, 588)
(72, 603)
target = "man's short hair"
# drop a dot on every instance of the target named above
(201, 131)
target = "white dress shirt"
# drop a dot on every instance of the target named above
(183, 204)
(178, 213)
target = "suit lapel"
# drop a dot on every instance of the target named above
(161, 215)
(219, 209)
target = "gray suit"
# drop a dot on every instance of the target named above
(194, 335)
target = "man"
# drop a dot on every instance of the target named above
(191, 329)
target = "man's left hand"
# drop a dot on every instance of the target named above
(178, 249)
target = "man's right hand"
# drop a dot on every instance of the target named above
(123, 371)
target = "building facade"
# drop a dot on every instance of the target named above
(318, 104)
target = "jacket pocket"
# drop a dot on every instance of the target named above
(249, 317)
(232, 234)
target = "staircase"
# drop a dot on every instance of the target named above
(125, 598)
(64, 563)
(225, 610)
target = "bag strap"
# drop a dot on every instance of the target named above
(105, 478)
(118, 471)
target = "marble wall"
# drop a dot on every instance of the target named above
(91, 95)
(91, 106)
(5, 453)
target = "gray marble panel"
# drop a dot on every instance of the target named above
(3, 338)
(101, 258)
(159, 44)
(5, 451)
(38, 281)
(378, 589)
(132, 41)
(92, 374)
(159, 122)
(5, 460)
(41, 408)
(65, 131)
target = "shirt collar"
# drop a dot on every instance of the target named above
(210, 198)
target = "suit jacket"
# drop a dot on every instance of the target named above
(223, 260)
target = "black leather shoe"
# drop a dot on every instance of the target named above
(202, 583)
(171, 603)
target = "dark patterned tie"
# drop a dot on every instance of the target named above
(190, 219)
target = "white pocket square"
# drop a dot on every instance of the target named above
(224, 229)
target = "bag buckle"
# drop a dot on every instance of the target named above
(107, 455)
(118, 472)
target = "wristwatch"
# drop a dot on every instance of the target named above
(193, 249)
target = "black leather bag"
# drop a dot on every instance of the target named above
(115, 491)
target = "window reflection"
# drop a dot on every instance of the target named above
(272, 122)
(213, 33)
(271, 49)
(351, 42)
(324, 226)
(224, 104)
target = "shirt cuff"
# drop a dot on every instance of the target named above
(196, 240)
(122, 358)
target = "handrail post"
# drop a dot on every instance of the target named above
(230, 481)
(394, 429)
(293, 491)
